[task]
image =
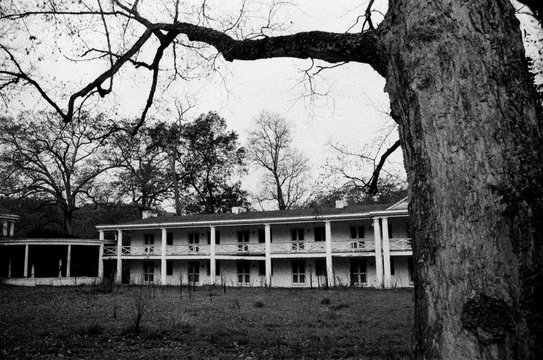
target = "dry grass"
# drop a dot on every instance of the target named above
(255, 323)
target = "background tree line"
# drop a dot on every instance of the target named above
(64, 178)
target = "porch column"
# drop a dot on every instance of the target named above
(267, 251)
(69, 261)
(25, 270)
(12, 229)
(386, 254)
(118, 275)
(378, 254)
(9, 267)
(328, 246)
(212, 256)
(5, 227)
(163, 257)
(101, 255)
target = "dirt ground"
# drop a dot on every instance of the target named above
(210, 323)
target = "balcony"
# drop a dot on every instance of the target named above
(296, 247)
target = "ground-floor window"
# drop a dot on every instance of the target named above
(392, 266)
(244, 272)
(194, 272)
(358, 272)
(169, 267)
(148, 271)
(298, 271)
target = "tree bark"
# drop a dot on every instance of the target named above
(472, 142)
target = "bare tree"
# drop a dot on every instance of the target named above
(462, 96)
(271, 148)
(58, 161)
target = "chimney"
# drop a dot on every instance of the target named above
(340, 204)
(146, 214)
(238, 209)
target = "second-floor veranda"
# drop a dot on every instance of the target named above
(351, 237)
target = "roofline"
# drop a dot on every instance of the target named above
(391, 207)
(264, 220)
(9, 216)
(52, 241)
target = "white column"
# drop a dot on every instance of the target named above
(386, 254)
(118, 275)
(212, 256)
(69, 261)
(9, 267)
(25, 271)
(328, 246)
(163, 257)
(12, 229)
(378, 254)
(101, 255)
(267, 251)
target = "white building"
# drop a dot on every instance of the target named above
(351, 246)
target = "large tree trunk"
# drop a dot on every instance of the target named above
(472, 143)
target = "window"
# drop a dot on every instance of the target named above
(320, 267)
(357, 237)
(357, 232)
(244, 272)
(358, 272)
(320, 233)
(149, 241)
(297, 236)
(261, 236)
(148, 271)
(392, 267)
(194, 242)
(243, 240)
(298, 271)
(169, 239)
(217, 268)
(169, 267)
(194, 272)
(261, 268)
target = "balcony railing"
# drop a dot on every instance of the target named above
(358, 245)
(240, 249)
(400, 244)
(297, 247)
(191, 249)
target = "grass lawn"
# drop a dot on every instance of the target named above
(246, 323)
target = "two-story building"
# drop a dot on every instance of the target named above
(350, 246)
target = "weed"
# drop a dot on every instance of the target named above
(259, 304)
(326, 301)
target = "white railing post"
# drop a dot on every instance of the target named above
(386, 254)
(69, 261)
(212, 259)
(267, 251)
(378, 254)
(163, 257)
(25, 271)
(328, 248)
(101, 254)
(12, 229)
(118, 275)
